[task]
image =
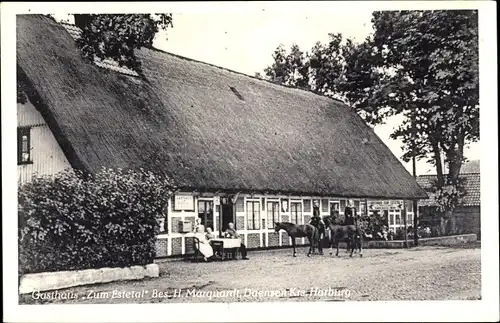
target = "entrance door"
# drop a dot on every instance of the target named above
(227, 215)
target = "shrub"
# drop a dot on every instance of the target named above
(74, 221)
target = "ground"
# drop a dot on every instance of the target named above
(422, 273)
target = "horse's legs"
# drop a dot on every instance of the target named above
(321, 236)
(330, 243)
(361, 246)
(293, 245)
(353, 245)
(337, 243)
(312, 247)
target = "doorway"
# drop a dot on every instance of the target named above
(227, 216)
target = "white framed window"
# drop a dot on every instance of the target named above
(273, 214)
(24, 146)
(296, 212)
(253, 215)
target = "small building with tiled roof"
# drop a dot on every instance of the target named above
(468, 211)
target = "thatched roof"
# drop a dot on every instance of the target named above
(207, 127)
(471, 183)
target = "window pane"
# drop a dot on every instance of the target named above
(296, 213)
(324, 205)
(334, 208)
(307, 205)
(272, 214)
(24, 144)
(256, 209)
(240, 205)
(409, 206)
(356, 205)
(342, 205)
(201, 206)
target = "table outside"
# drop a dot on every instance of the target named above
(222, 245)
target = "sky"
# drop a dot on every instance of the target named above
(244, 42)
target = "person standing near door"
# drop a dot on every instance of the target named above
(350, 213)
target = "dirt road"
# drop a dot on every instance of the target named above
(423, 273)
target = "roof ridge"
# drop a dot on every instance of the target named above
(243, 74)
(223, 68)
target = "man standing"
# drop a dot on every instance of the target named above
(350, 213)
(317, 221)
(231, 233)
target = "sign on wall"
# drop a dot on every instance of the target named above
(183, 203)
(386, 205)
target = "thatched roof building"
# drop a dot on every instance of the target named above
(207, 127)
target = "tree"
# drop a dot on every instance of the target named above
(289, 69)
(419, 64)
(117, 36)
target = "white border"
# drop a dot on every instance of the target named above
(485, 309)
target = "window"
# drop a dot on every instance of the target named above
(23, 146)
(409, 206)
(206, 213)
(284, 205)
(273, 209)
(307, 206)
(296, 212)
(324, 206)
(239, 205)
(253, 215)
(334, 208)
(342, 205)
(398, 218)
(356, 205)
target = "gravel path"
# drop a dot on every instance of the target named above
(423, 273)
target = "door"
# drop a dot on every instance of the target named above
(227, 216)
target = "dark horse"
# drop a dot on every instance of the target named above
(350, 233)
(300, 231)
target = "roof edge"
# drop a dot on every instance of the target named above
(295, 193)
(61, 139)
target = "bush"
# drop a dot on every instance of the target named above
(73, 221)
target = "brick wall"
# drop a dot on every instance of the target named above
(253, 240)
(273, 239)
(285, 241)
(161, 247)
(176, 246)
(188, 246)
(240, 223)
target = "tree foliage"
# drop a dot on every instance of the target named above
(422, 65)
(117, 36)
(73, 221)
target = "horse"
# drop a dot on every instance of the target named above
(300, 231)
(352, 234)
